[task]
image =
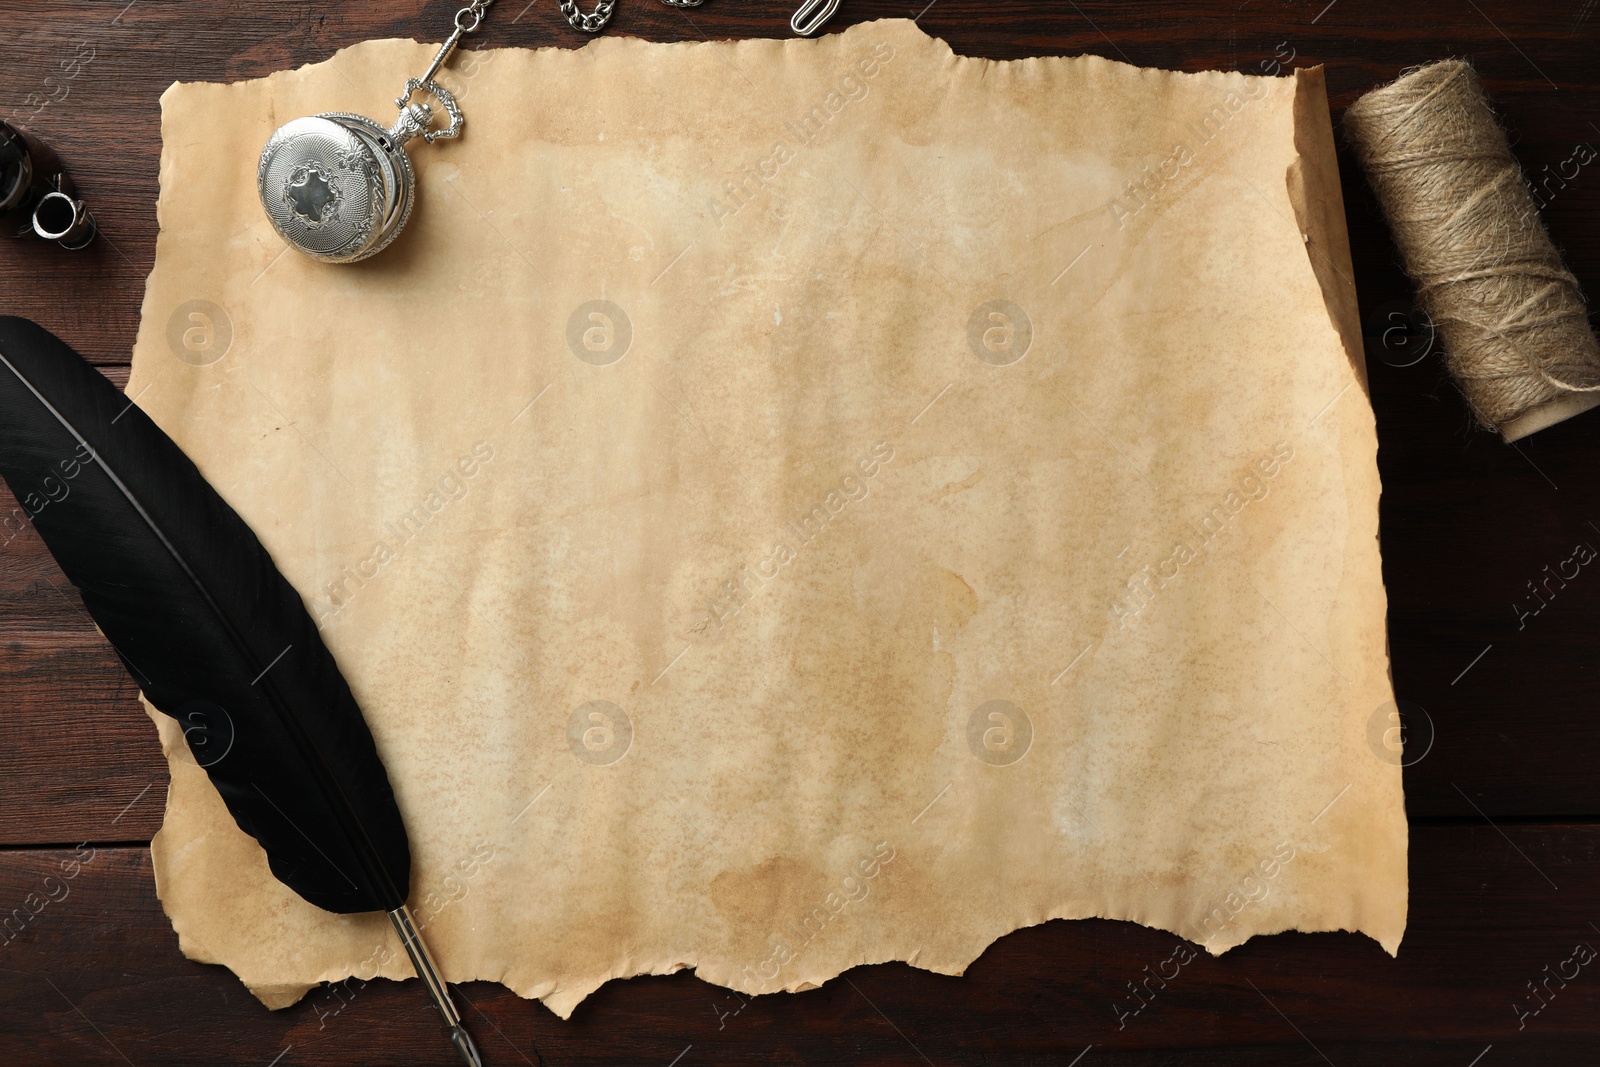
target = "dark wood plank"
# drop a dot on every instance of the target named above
(97, 975)
(80, 758)
(92, 768)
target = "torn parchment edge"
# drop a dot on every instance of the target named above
(1314, 193)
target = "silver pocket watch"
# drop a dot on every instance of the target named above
(339, 187)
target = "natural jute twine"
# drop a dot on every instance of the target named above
(1512, 319)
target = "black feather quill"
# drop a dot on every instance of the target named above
(214, 635)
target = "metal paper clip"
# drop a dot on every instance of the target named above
(812, 14)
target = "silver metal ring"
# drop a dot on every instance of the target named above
(594, 21)
(63, 219)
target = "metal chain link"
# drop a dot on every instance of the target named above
(470, 17)
(594, 21)
(476, 10)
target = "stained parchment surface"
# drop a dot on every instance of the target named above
(784, 505)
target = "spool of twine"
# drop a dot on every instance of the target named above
(1512, 318)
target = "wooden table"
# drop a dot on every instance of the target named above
(1505, 844)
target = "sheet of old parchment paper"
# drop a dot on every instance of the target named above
(785, 505)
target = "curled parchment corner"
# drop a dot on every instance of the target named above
(903, 501)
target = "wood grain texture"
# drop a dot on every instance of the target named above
(1467, 523)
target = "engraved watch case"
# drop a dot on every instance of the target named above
(336, 186)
